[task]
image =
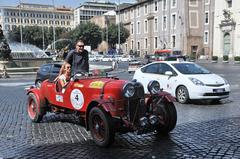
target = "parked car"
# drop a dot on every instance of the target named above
(134, 65)
(92, 58)
(47, 71)
(107, 105)
(184, 80)
(107, 58)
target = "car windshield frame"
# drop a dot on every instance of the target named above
(190, 68)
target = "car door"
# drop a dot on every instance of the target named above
(149, 73)
(167, 82)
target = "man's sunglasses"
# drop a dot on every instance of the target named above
(80, 45)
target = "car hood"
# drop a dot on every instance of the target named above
(212, 79)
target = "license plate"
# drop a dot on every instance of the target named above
(218, 90)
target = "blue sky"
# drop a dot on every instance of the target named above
(70, 3)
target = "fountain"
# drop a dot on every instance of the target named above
(26, 51)
(15, 55)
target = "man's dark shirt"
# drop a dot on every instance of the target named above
(78, 61)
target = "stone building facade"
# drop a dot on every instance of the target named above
(184, 25)
(27, 14)
(227, 28)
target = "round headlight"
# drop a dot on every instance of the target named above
(154, 87)
(128, 90)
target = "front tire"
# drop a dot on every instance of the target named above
(101, 127)
(35, 109)
(182, 95)
(169, 117)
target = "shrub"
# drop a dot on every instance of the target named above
(225, 57)
(214, 58)
(237, 58)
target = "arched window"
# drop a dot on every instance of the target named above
(226, 44)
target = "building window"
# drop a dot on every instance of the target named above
(145, 9)
(126, 47)
(146, 43)
(229, 3)
(174, 3)
(145, 26)
(155, 42)
(206, 1)
(164, 4)
(173, 41)
(193, 19)
(138, 45)
(131, 28)
(206, 18)
(132, 13)
(193, 3)
(155, 24)
(206, 37)
(138, 27)
(155, 6)
(132, 44)
(125, 15)
(138, 11)
(174, 21)
(164, 22)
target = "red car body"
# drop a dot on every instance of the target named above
(106, 105)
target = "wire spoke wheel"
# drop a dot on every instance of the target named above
(101, 127)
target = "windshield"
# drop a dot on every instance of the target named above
(190, 68)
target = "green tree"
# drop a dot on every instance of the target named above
(89, 32)
(34, 35)
(113, 34)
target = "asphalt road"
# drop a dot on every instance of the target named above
(203, 130)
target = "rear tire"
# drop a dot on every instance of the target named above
(35, 109)
(101, 127)
(182, 95)
(169, 114)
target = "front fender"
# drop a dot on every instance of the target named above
(108, 106)
(167, 96)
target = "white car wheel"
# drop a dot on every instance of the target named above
(182, 95)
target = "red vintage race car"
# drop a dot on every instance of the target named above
(107, 105)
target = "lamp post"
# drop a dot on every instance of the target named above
(53, 25)
(43, 36)
(119, 26)
(20, 14)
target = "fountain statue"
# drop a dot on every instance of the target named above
(5, 50)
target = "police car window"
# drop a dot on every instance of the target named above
(45, 68)
(164, 68)
(152, 68)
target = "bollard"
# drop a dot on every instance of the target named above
(5, 74)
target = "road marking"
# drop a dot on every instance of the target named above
(14, 84)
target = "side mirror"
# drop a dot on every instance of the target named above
(169, 73)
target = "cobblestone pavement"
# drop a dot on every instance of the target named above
(203, 131)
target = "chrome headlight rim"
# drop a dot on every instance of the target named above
(154, 87)
(128, 90)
